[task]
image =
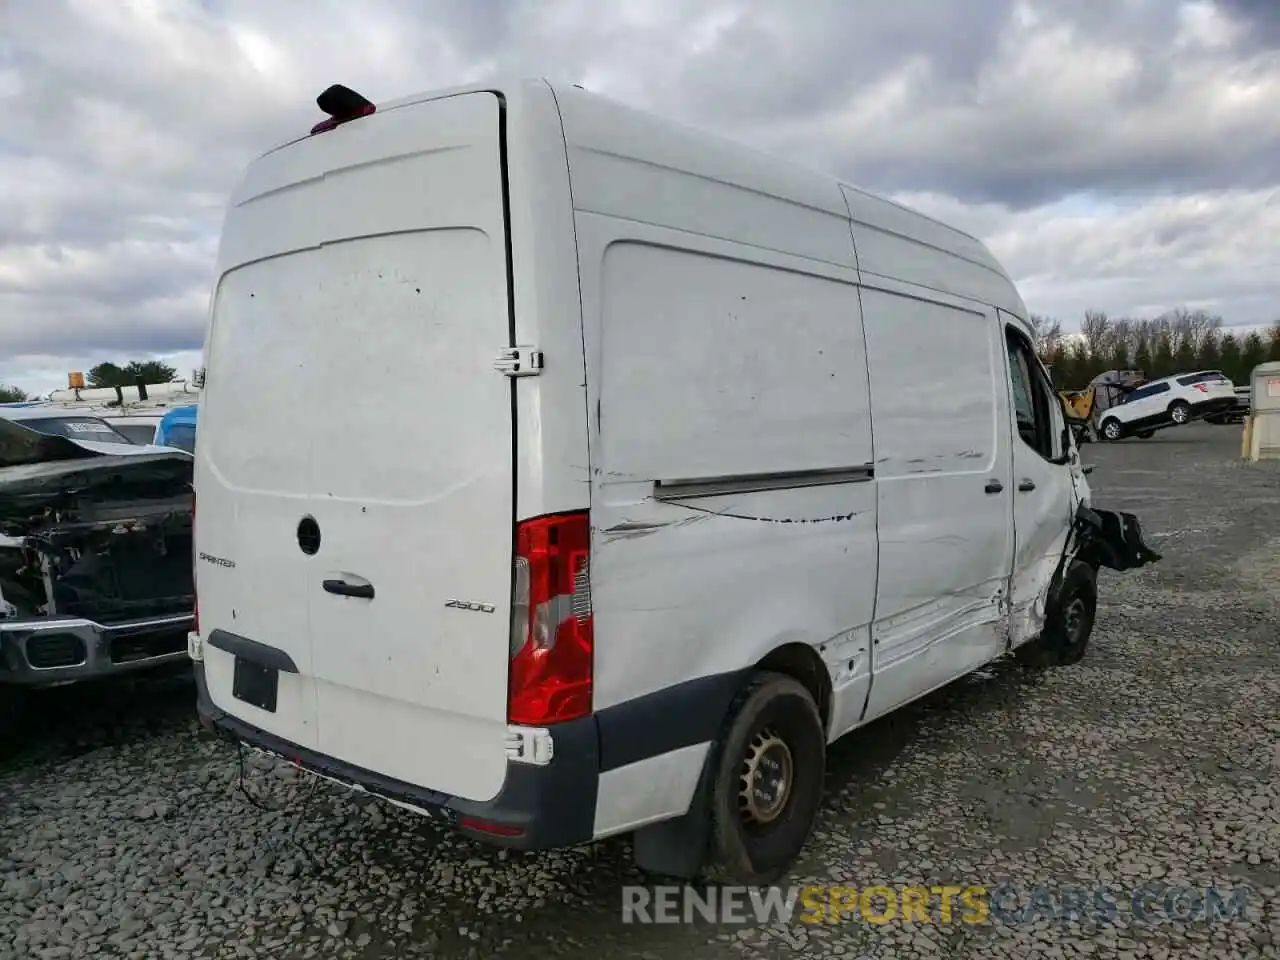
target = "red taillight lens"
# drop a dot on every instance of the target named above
(551, 630)
(1201, 387)
(494, 829)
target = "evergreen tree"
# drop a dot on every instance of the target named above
(1184, 355)
(1229, 361)
(1162, 362)
(1210, 355)
(1142, 358)
(1252, 352)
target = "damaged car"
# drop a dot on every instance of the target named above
(95, 550)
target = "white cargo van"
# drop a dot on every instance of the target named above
(718, 460)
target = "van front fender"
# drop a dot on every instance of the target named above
(1111, 539)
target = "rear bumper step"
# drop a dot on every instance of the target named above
(539, 807)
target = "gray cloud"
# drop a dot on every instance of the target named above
(127, 125)
(1260, 17)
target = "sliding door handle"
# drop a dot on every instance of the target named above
(994, 486)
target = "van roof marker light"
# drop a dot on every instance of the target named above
(342, 104)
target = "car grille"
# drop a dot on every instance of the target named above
(130, 649)
(48, 650)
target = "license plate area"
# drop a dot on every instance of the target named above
(255, 684)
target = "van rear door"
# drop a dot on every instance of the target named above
(359, 442)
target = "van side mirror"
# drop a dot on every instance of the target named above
(1087, 469)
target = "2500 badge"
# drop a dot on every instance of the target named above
(468, 605)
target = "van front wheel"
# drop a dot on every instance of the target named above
(1068, 623)
(769, 769)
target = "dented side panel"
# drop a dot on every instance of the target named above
(944, 489)
(717, 359)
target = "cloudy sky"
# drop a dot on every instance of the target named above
(1116, 154)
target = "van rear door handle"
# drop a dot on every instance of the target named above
(343, 589)
(1026, 485)
(994, 486)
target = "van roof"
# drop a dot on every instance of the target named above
(764, 172)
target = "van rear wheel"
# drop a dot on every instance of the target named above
(769, 769)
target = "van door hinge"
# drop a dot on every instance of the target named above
(519, 361)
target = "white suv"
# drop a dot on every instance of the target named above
(1168, 402)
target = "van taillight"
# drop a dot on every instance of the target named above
(551, 630)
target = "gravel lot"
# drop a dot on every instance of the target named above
(123, 831)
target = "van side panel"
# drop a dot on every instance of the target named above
(552, 473)
(722, 340)
(944, 484)
(762, 373)
(899, 244)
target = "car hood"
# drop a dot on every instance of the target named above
(39, 472)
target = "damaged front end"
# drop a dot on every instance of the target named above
(95, 558)
(1107, 538)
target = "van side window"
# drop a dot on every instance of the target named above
(1033, 398)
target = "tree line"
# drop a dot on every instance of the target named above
(1177, 341)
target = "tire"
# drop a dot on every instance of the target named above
(1180, 412)
(774, 720)
(1111, 430)
(1068, 623)
(1145, 434)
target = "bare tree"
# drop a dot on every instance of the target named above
(1096, 328)
(1192, 327)
(1048, 335)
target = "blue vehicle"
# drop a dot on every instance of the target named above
(178, 429)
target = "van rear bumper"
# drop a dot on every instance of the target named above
(538, 807)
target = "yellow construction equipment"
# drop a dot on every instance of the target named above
(1083, 407)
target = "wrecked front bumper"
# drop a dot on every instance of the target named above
(46, 651)
(1111, 539)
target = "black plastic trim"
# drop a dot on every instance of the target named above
(688, 488)
(253, 651)
(669, 719)
(553, 805)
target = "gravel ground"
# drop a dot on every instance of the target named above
(124, 830)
